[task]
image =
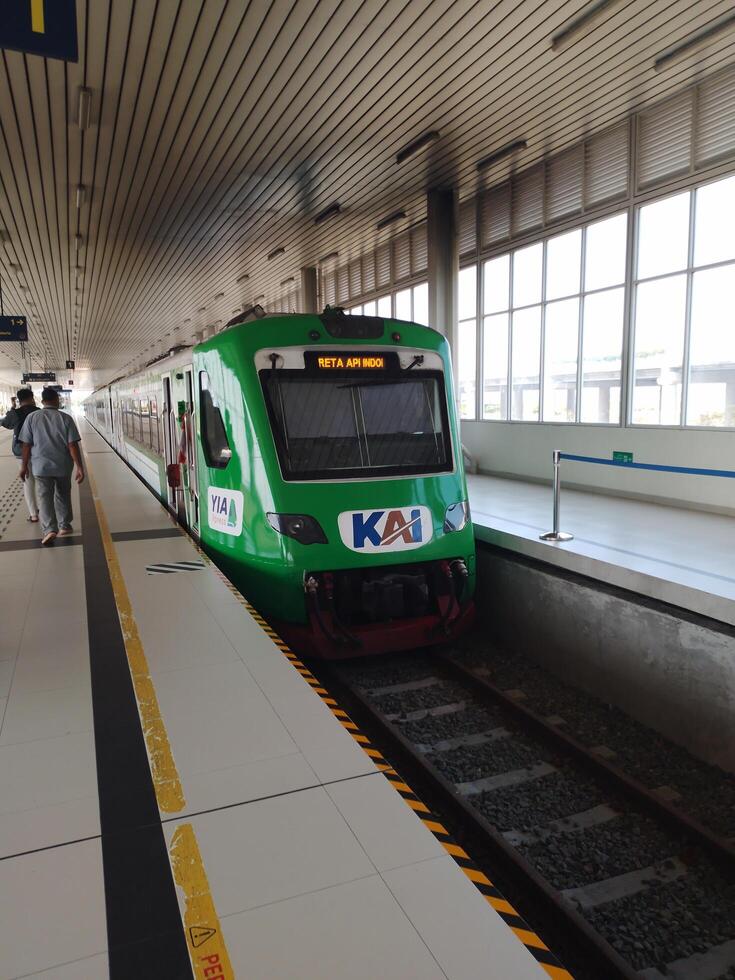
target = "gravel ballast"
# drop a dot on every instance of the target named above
(627, 843)
(531, 806)
(707, 792)
(667, 922)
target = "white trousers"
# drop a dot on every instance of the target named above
(29, 491)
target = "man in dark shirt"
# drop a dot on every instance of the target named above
(14, 420)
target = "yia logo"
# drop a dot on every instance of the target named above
(224, 510)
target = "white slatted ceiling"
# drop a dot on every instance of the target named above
(220, 130)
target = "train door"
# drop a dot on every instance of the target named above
(170, 439)
(191, 456)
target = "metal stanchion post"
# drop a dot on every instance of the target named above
(556, 534)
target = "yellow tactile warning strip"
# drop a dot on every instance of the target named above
(204, 937)
(533, 943)
(203, 932)
(166, 782)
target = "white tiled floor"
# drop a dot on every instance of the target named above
(679, 556)
(317, 868)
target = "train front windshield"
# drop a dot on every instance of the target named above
(345, 426)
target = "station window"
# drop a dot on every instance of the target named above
(563, 297)
(410, 304)
(467, 342)
(215, 444)
(684, 341)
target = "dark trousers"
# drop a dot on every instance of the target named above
(54, 502)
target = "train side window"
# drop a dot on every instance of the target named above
(145, 422)
(215, 444)
(155, 443)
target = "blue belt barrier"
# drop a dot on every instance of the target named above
(696, 471)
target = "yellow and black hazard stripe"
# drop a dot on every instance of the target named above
(520, 928)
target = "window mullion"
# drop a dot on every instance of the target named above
(688, 310)
(509, 386)
(479, 346)
(542, 351)
(627, 362)
(580, 327)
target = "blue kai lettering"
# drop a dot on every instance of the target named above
(366, 530)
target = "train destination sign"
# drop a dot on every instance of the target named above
(350, 361)
(13, 328)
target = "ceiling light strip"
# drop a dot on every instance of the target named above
(418, 144)
(694, 40)
(579, 23)
(505, 151)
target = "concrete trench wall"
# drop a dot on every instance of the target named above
(668, 669)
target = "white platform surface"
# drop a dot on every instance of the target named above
(683, 557)
(317, 868)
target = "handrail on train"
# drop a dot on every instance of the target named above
(558, 456)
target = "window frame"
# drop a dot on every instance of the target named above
(631, 207)
(353, 474)
(211, 463)
(689, 271)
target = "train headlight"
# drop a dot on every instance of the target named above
(456, 516)
(301, 527)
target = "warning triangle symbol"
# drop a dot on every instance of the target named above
(200, 934)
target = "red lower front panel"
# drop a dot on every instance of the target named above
(406, 634)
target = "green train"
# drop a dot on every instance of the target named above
(317, 460)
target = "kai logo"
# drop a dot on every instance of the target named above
(396, 529)
(224, 510)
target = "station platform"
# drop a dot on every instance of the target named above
(681, 557)
(179, 798)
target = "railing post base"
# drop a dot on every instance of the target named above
(556, 536)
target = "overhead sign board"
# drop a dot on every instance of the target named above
(70, 365)
(39, 376)
(13, 328)
(45, 27)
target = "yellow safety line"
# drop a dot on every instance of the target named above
(38, 24)
(204, 937)
(166, 782)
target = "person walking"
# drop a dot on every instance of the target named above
(51, 447)
(22, 405)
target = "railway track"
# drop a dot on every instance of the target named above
(635, 886)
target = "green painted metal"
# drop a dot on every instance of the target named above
(266, 565)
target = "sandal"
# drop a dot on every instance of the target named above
(32, 520)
